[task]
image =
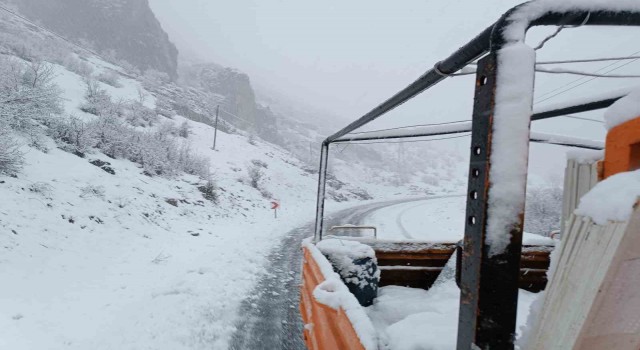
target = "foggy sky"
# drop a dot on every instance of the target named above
(348, 56)
(344, 56)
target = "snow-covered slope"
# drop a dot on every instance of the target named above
(93, 258)
(94, 254)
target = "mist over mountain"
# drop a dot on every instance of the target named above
(126, 29)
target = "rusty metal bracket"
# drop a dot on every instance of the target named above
(489, 283)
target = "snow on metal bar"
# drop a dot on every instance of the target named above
(581, 104)
(513, 26)
(564, 140)
(430, 130)
(425, 131)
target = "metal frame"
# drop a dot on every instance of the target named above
(489, 289)
(356, 227)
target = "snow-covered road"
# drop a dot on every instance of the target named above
(437, 218)
(270, 318)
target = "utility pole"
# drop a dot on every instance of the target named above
(215, 131)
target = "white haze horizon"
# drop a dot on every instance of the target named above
(344, 58)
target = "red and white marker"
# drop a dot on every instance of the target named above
(275, 205)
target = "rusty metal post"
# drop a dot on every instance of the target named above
(489, 284)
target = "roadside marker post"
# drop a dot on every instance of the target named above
(275, 205)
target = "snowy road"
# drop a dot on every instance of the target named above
(269, 317)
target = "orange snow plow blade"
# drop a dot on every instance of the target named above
(325, 328)
(622, 151)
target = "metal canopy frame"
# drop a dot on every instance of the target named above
(489, 280)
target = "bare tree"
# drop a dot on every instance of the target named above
(11, 157)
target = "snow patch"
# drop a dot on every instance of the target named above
(612, 199)
(412, 318)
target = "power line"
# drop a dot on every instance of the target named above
(235, 116)
(584, 82)
(588, 74)
(589, 60)
(582, 118)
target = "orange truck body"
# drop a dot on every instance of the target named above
(325, 328)
(622, 151)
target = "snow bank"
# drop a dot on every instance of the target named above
(612, 199)
(513, 109)
(623, 110)
(411, 318)
(584, 156)
(344, 253)
(333, 293)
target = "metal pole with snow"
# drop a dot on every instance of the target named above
(215, 128)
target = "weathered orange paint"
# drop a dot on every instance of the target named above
(622, 149)
(328, 329)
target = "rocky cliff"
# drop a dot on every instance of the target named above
(239, 97)
(126, 28)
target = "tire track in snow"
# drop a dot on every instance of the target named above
(399, 218)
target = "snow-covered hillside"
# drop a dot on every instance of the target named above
(106, 240)
(91, 255)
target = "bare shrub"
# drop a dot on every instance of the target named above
(11, 157)
(28, 95)
(259, 163)
(210, 191)
(138, 114)
(184, 130)
(157, 152)
(543, 209)
(256, 175)
(192, 163)
(92, 191)
(28, 99)
(79, 67)
(97, 100)
(111, 136)
(164, 107)
(153, 79)
(110, 77)
(168, 128)
(41, 188)
(72, 134)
